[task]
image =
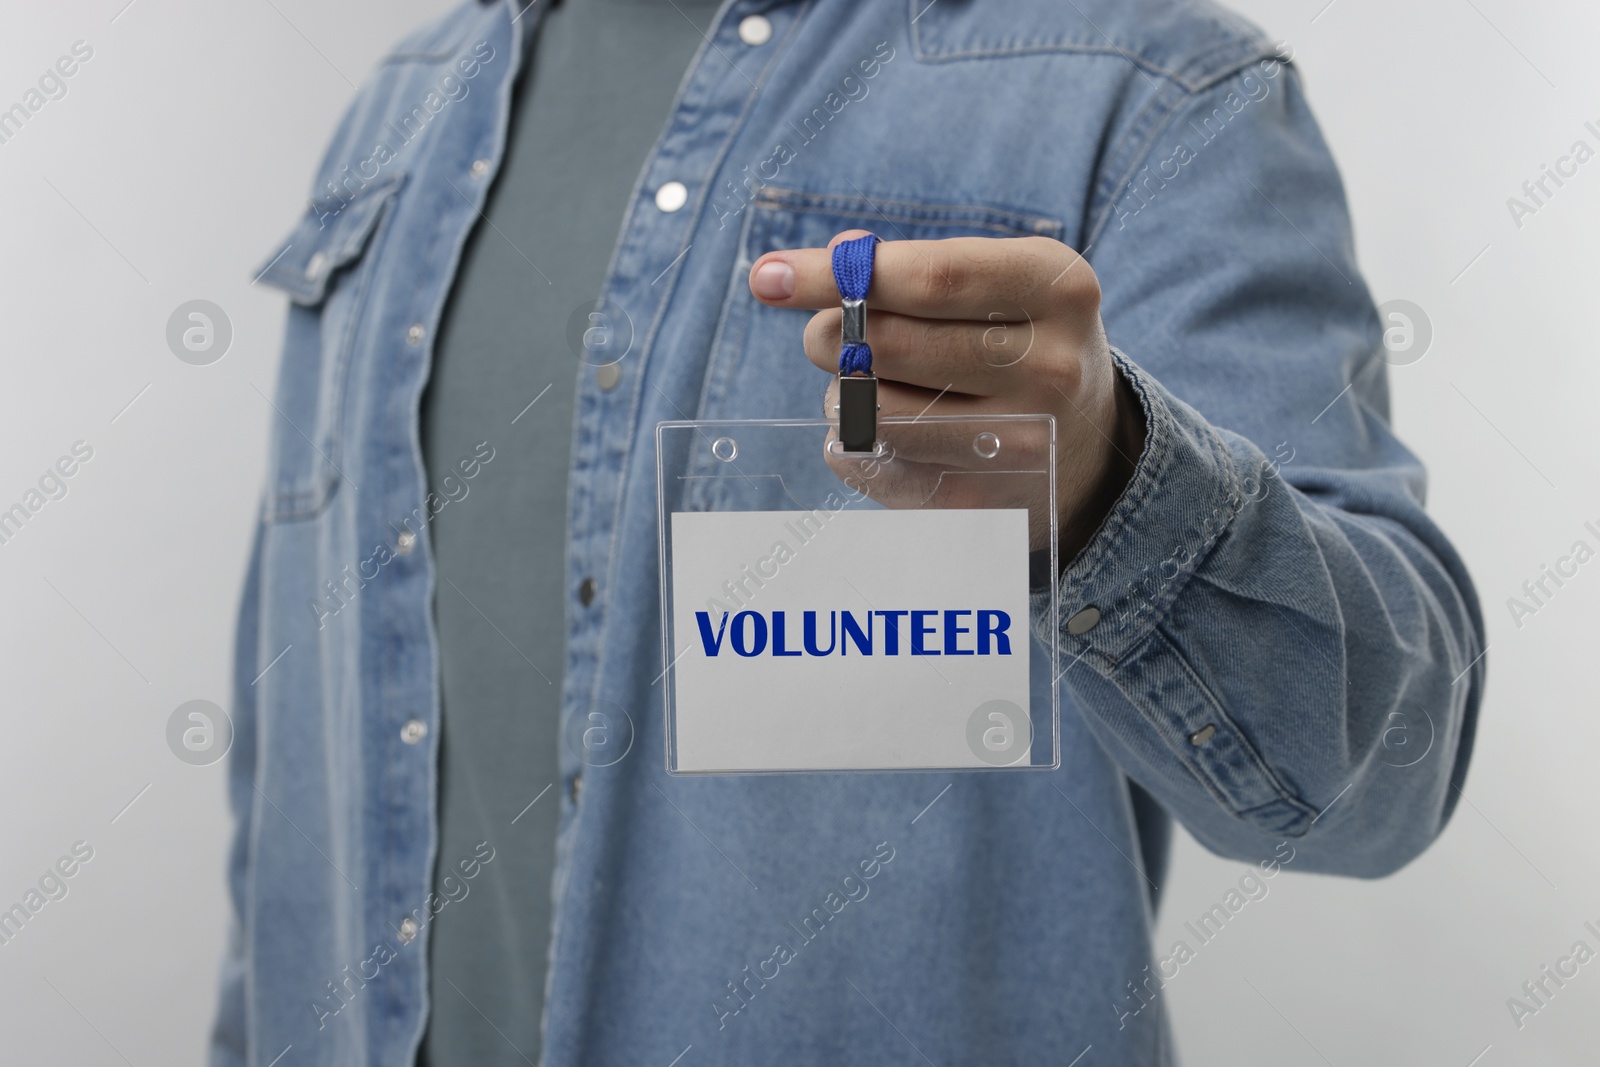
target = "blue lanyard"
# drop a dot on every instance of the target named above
(852, 272)
(858, 387)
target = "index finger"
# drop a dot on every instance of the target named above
(980, 278)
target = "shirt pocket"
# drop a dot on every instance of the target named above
(325, 267)
(758, 367)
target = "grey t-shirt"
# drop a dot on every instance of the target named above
(591, 99)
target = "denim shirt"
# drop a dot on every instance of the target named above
(1287, 656)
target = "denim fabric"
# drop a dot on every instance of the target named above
(1288, 653)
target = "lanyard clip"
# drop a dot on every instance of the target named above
(858, 414)
(858, 393)
(858, 387)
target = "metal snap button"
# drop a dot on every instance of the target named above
(1083, 621)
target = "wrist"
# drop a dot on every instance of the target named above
(1125, 444)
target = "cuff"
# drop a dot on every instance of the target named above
(1185, 491)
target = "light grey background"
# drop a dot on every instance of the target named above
(183, 150)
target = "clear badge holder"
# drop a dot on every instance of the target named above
(826, 610)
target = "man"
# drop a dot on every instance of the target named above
(455, 576)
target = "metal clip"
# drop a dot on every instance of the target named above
(858, 394)
(858, 413)
(853, 327)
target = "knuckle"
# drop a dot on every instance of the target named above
(1064, 370)
(944, 277)
(1074, 280)
(1084, 291)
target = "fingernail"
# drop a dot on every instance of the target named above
(773, 280)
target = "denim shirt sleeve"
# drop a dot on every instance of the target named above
(1287, 647)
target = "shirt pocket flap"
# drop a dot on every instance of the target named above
(332, 234)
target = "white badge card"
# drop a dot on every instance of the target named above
(872, 613)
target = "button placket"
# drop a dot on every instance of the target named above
(674, 175)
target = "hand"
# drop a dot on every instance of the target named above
(981, 326)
